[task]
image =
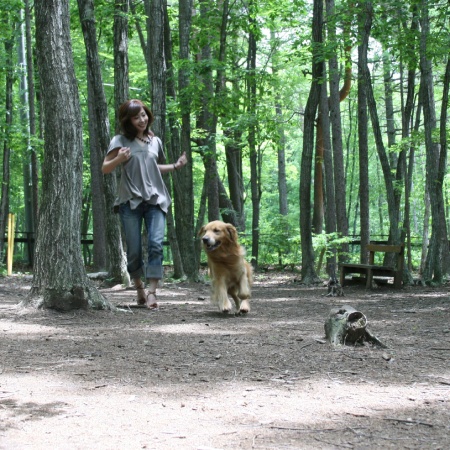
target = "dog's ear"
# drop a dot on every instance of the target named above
(202, 231)
(232, 232)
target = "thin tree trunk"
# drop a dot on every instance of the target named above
(99, 212)
(308, 272)
(254, 154)
(32, 120)
(181, 244)
(366, 22)
(184, 196)
(330, 209)
(336, 97)
(4, 201)
(435, 162)
(121, 66)
(115, 255)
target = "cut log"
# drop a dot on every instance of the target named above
(347, 326)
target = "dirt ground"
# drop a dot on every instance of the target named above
(187, 377)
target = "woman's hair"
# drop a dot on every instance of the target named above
(131, 109)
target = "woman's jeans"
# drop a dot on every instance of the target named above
(155, 221)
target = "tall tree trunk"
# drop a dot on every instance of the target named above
(365, 18)
(32, 120)
(60, 281)
(121, 66)
(336, 97)
(25, 124)
(436, 156)
(254, 153)
(235, 176)
(4, 200)
(184, 197)
(330, 204)
(281, 137)
(114, 249)
(99, 212)
(172, 149)
(308, 272)
(407, 114)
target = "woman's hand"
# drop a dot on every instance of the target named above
(114, 158)
(124, 154)
(182, 161)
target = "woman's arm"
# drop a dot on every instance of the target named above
(166, 168)
(114, 158)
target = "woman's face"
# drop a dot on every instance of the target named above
(140, 121)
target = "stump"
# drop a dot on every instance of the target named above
(346, 325)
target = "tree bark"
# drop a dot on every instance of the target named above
(255, 157)
(183, 240)
(4, 201)
(32, 119)
(121, 66)
(336, 97)
(184, 196)
(435, 163)
(366, 22)
(60, 281)
(308, 272)
(114, 250)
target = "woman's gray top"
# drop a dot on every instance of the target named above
(140, 178)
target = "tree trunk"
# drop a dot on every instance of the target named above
(330, 204)
(179, 241)
(281, 137)
(308, 272)
(4, 201)
(115, 255)
(436, 156)
(23, 108)
(366, 18)
(336, 97)
(99, 212)
(60, 281)
(32, 120)
(184, 196)
(254, 154)
(121, 66)
(233, 154)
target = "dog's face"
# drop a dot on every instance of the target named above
(217, 234)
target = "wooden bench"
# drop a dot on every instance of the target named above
(371, 269)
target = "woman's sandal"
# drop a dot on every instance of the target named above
(153, 306)
(141, 300)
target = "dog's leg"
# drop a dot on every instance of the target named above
(244, 294)
(237, 301)
(220, 297)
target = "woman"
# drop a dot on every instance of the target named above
(142, 194)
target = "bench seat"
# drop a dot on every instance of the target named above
(371, 269)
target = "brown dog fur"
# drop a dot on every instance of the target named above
(229, 272)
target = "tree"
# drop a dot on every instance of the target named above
(308, 271)
(184, 183)
(436, 156)
(4, 199)
(60, 281)
(365, 24)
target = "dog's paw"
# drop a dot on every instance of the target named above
(245, 307)
(226, 307)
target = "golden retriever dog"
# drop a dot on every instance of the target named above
(229, 272)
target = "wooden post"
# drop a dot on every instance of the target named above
(10, 254)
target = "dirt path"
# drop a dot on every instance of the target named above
(187, 377)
